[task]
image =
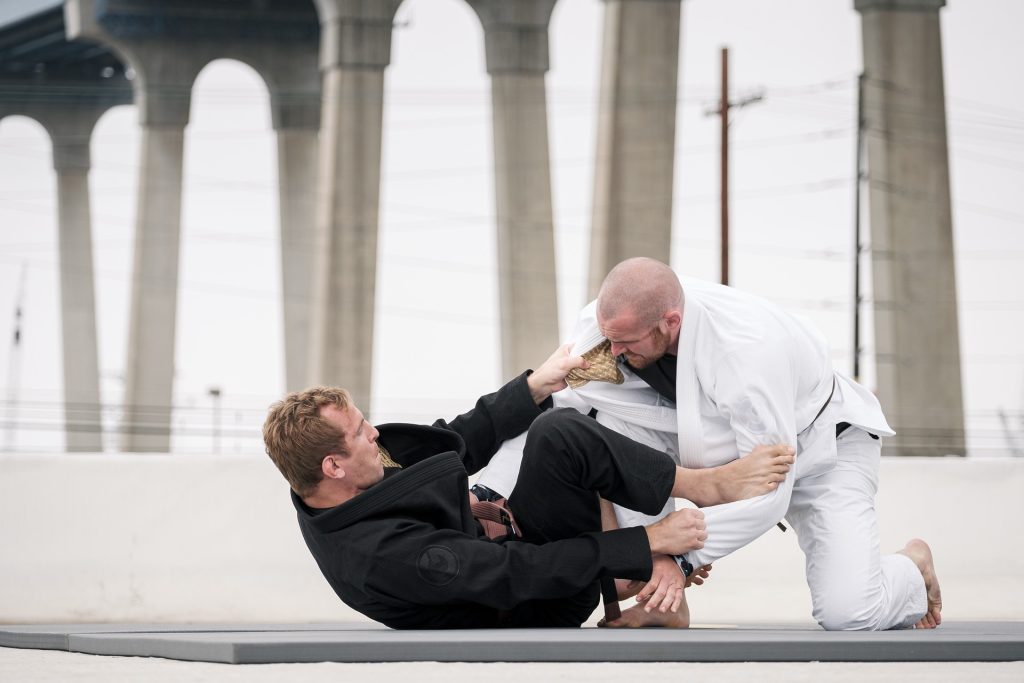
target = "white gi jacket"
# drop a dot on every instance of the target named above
(748, 373)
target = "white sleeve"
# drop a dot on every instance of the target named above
(755, 390)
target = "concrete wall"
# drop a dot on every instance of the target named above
(153, 538)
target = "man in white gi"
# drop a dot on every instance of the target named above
(708, 373)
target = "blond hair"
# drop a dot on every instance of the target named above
(297, 439)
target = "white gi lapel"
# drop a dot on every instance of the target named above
(691, 437)
(587, 334)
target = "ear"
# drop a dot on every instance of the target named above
(673, 319)
(331, 467)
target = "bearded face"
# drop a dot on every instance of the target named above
(651, 349)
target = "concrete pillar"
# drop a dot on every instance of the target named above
(355, 48)
(70, 128)
(297, 162)
(916, 329)
(636, 130)
(167, 43)
(163, 93)
(516, 43)
(83, 425)
(67, 87)
(164, 73)
(149, 367)
(293, 77)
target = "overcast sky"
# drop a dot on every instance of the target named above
(792, 169)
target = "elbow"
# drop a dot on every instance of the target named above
(775, 505)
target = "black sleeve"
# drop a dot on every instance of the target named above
(427, 566)
(494, 419)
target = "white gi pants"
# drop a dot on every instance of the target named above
(853, 586)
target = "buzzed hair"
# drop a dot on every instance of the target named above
(297, 439)
(643, 286)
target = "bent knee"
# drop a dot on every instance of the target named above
(553, 432)
(843, 615)
(554, 426)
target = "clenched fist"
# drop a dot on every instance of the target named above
(680, 532)
(550, 376)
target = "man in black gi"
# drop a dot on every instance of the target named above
(386, 514)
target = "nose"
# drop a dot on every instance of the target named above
(373, 434)
(618, 349)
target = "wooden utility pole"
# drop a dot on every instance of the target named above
(723, 113)
(859, 176)
(724, 105)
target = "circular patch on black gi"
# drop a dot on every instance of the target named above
(438, 565)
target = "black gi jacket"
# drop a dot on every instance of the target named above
(408, 553)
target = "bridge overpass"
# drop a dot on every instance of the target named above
(324, 64)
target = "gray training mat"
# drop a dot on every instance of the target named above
(281, 643)
(56, 636)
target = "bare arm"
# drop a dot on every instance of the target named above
(608, 520)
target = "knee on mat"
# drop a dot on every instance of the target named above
(847, 615)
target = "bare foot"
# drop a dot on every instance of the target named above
(918, 551)
(636, 617)
(756, 474)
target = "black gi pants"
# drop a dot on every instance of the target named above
(569, 462)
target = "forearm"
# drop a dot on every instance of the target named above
(502, 575)
(608, 518)
(734, 525)
(494, 419)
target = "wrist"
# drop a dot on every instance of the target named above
(684, 565)
(537, 390)
(655, 539)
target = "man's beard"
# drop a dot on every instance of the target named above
(660, 342)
